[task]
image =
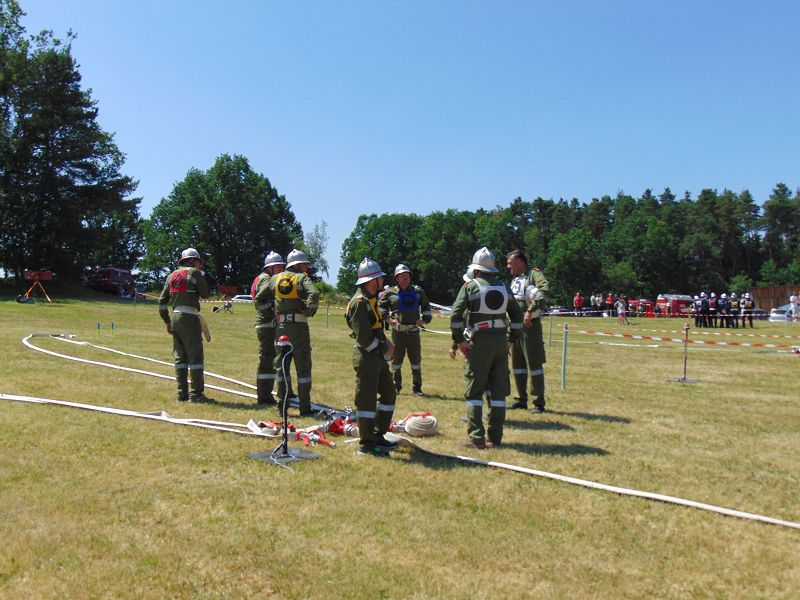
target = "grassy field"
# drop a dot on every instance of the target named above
(95, 505)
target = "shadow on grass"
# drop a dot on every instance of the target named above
(592, 417)
(265, 409)
(439, 397)
(556, 449)
(534, 425)
(432, 461)
(481, 457)
(538, 425)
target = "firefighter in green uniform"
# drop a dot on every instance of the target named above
(296, 299)
(264, 303)
(183, 290)
(478, 325)
(530, 290)
(406, 308)
(371, 352)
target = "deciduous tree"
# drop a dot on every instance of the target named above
(64, 203)
(230, 214)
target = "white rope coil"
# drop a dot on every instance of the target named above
(418, 426)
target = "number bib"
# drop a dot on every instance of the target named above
(407, 300)
(286, 286)
(177, 282)
(493, 299)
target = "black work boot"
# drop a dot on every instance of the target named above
(385, 444)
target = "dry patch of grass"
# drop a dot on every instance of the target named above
(96, 505)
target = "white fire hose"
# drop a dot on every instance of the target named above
(66, 337)
(419, 425)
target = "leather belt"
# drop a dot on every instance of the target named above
(490, 324)
(291, 318)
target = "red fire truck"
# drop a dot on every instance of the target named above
(673, 305)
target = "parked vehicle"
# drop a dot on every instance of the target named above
(641, 307)
(782, 314)
(112, 280)
(242, 298)
(673, 305)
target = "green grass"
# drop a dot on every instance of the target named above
(95, 505)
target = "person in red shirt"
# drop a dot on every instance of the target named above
(609, 305)
(577, 303)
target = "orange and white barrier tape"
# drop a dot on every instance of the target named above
(697, 331)
(681, 340)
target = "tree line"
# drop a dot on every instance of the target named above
(64, 203)
(721, 241)
(66, 206)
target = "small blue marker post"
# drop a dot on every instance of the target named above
(112, 327)
(98, 328)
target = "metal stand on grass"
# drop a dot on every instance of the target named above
(283, 455)
(564, 358)
(685, 357)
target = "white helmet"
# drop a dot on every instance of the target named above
(747, 295)
(273, 258)
(702, 294)
(190, 254)
(401, 268)
(483, 260)
(368, 270)
(296, 257)
(724, 295)
(713, 295)
(733, 294)
(696, 297)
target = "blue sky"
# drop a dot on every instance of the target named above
(370, 107)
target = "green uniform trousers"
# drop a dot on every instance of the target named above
(407, 342)
(187, 350)
(375, 396)
(527, 360)
(301, 355)
(265, 377)
(486, 370)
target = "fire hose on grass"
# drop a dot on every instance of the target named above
(253, 429)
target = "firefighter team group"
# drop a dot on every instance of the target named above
(725, 311)
(489, 317)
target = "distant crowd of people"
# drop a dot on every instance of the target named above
(597, 305)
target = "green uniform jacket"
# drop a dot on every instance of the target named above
(469, 302)
(366, 324)
(294, 293)
(263, 300)
(184, 287)
(396, 303)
